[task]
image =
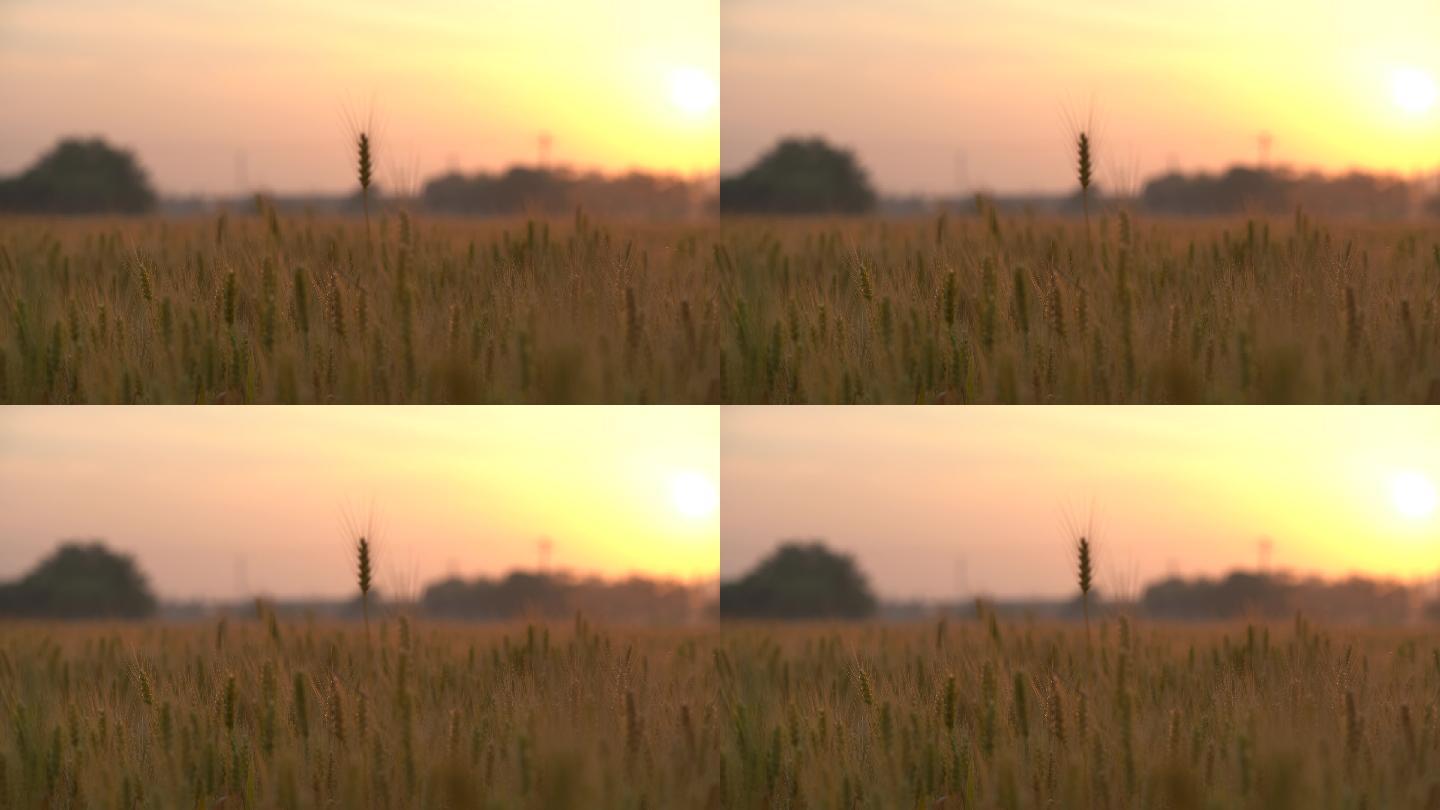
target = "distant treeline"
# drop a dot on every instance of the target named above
(1281, 595)
(88, 176)
(561, 191)
(1279, 191)
(806, 580)
(797, 176)
(810, 176)
(85, 580)
(525, 594)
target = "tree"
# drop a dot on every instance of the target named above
(80, 177)
(800, 580)
(800, 176)
(81, 580)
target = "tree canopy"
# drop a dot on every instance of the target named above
(800, 580)
(80, 177)
(800, 176)
(81, 580)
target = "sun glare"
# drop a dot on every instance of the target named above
(1413, 90)
(693, 495)
(1413, 495)
(692, 91)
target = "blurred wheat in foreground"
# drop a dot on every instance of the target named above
(992, 714)
(269, 308)
(1017, 308)
(270, 714)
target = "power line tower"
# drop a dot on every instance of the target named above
(242, 578)
(543, 144)
(242, 173)
(1263, 548)
(962, 176)
(962, 582)
(545, 546)
(1264, 142)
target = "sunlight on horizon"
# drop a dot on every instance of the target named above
(1413, 90)
(1413, 494)
(914, 493)
(215, 96)
(202, 496)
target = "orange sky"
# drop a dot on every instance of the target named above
(198, 88)
(915, 493)
(222, 502)
(912, 85)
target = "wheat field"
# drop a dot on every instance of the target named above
(999, 308)
(278, 714)
(973, 309)
(269, 308)
(996, 714)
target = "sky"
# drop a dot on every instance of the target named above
(218, 97)
(221, 503)
(940, 96)
(943, 502)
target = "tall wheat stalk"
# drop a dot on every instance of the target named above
(1083, 540)
(1082, 133)
(366, 170)
(361, 536)
(362, 134)
(363, 569)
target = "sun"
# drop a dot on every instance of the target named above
(1413, 495)
(692, 91)
(693, 494)
(1413, 90)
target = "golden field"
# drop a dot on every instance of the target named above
(1031, 715)
(1021, 309)
(275, 714)
(269, 308)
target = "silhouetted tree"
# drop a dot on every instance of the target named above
(799, 581)
(80, 581)
(799, 176)
(80, 177)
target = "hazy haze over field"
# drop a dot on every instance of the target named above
(193, 87)
(227, 502)
(913, 491)
(912, 84)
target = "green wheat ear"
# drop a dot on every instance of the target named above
(365, 164)
(366, 170)
(1086, 171)
(364, 571)
(1085, 566)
